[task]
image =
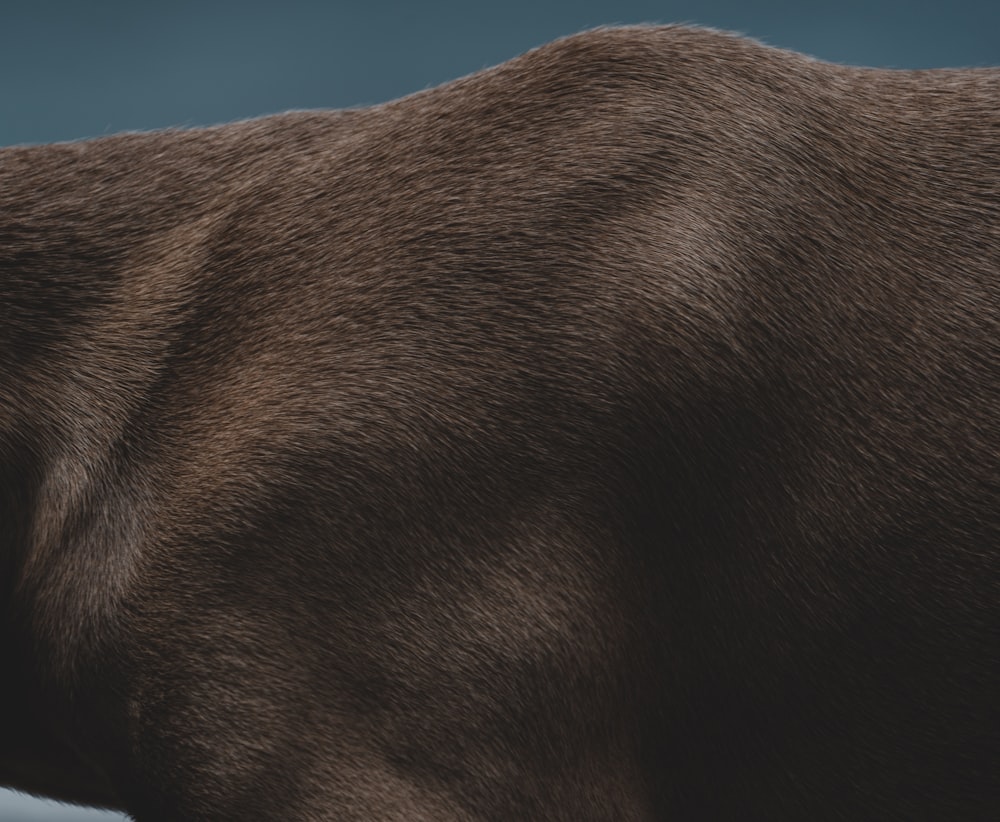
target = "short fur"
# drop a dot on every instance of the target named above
(609, 435)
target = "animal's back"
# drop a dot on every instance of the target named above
(608, 435)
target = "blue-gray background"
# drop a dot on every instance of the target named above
(82, 68)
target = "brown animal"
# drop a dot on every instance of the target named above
(609, 435)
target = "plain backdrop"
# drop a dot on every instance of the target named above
(71, 69)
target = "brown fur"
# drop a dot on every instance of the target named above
(609, 435)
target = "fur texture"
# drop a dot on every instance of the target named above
(609, 435)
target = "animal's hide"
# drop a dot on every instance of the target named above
(609, 435)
